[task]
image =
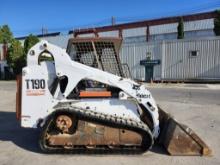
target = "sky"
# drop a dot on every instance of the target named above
(29, 16)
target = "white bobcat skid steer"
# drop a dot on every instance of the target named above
(84, 109)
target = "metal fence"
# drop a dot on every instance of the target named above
(187, 59)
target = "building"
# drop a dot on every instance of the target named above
(55, 38)
(185, 60)
(195, 25)
(152, 52)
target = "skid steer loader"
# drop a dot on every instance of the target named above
(83, 103)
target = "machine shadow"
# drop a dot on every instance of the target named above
(158, 149)
(10, 130)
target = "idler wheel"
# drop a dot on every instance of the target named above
(64, 122)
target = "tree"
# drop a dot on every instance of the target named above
(6, 35)
(180, 29)
(15, 56)
(30, 41)
(217, 24)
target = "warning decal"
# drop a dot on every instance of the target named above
(35, 92)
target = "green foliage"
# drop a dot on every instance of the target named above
(15, 56)
(30, 41)
(217, 24)
(6, 35)
(180, 29)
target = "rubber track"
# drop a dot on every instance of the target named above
(98, 118)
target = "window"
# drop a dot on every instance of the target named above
(194, 53)
(45, 56)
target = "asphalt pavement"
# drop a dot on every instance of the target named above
(187, 95)
(198, 107)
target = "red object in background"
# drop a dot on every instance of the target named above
(5, 48)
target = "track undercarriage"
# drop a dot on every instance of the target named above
(70, 129)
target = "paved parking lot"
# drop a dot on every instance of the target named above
(197, 107)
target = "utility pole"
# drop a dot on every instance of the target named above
(113, 20)
(44, 31)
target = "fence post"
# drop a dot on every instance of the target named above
(163, 54)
